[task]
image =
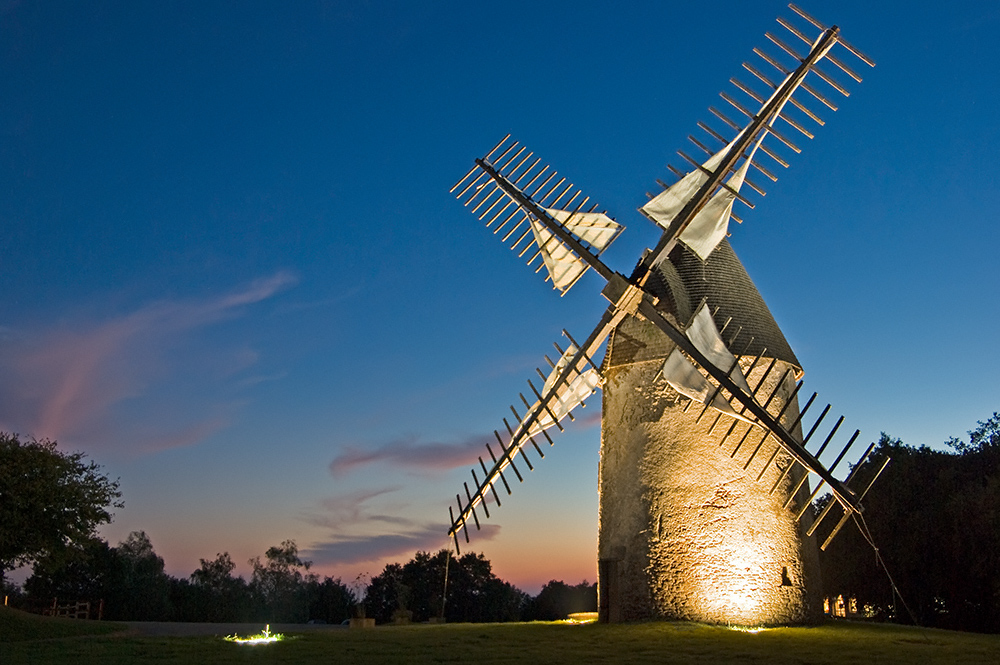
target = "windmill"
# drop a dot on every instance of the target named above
(706, 456)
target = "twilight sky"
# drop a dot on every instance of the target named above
(231, 271)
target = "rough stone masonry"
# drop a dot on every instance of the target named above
(685, 531)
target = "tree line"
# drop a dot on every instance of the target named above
(934, 517)
(926, 551)
(52, 502)
(131, 581)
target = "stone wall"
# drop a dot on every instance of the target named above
(685, 532)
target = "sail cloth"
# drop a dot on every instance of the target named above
(564, 266)
(685, 378)
(569, 395)
(707, 229)
(710, 225)
(706, 338)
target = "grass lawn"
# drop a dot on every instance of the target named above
(835, 643)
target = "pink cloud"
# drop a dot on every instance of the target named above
(360, 534)
(362, 549)
(63, 384)
(349, 509)
(409, 452)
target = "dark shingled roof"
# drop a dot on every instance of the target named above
(681, 282)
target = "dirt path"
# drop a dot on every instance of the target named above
(180, 629)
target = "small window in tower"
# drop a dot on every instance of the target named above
(784, 577)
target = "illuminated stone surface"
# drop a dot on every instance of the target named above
(693, 535)
(685, 532)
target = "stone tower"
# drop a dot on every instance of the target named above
(685, 531)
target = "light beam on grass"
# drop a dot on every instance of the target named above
(581, 617)
(264, 637)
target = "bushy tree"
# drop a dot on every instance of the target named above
(51, 502)
(213, 594)
(382, 595)
(474, 593)
(935, 517)
(280, 582)
(129, 578)
(985, 438)
(330, 601)
(141, 588)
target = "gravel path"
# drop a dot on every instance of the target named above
(179, 629)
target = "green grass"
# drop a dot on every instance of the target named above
(834, 643)
(17, 626)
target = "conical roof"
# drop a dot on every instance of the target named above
(681, 282)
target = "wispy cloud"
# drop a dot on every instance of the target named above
(349, 510)
(410, 452)
(362, 530)
(373, 548)
(63, 384)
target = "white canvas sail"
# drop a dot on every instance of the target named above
(711, 224)
(568, 395)
(705, 337)
(564, 266)
(685, 378)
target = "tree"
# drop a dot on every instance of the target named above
(280, 582)
(140, 589)
(212, 593)
(983, 439)
(474, 593)
(330, 600)
(87, 575)
(382, 595)
(129, 578)
(50, 501)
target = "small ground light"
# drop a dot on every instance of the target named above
(582, 617)
(264, 637)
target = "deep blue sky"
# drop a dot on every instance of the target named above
(233, 275)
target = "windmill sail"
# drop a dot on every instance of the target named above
(685, 378)
(572, 379)
(567, 395)
(540, 214)
(696, 209)
(564, 266)
(706, 338)
(711, 224)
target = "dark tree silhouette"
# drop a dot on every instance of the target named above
(557, 600)
(382, 596)
(51, 502)
(128, 578)
(474, 593)
(935, 517)
(330, 601)
(280, 582)
(213, 594)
